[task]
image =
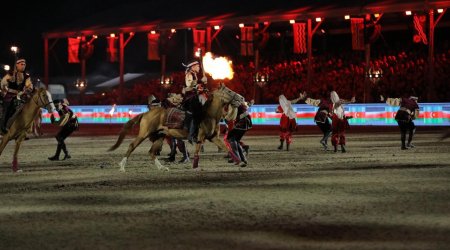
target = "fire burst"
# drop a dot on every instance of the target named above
(219, 68)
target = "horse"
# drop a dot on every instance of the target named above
(24, 119)
(151, 124)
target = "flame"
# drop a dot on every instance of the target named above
(218, 67)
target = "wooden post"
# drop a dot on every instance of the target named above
(367, 60)
(309, 44)
(432, 91)
(121, 67)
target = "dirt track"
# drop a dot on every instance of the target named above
(373, 197)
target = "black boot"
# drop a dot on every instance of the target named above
(335, 148)
(281, 145)
(246, 148)
(410, 137)
(241, 155)
(324, 140)
(173, 152)
(56, 156)
(193, 130)
(235, 156)
(287, 146)
(343, 148)
(182, 147)
(66, 153)
(403, 138)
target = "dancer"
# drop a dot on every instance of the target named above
(322, 117)
(408, 112)
(288, 124)
(69, 123)
(242, 124)
(339, 122)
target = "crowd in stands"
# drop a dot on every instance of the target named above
(402, 72)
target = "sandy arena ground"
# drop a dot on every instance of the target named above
(373, 197)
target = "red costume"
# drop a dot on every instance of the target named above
(287, 126)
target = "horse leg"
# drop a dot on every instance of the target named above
(198, 146)
(15, 164)
(131, 148)
(155, 148)
(219, 143)
(5, 140)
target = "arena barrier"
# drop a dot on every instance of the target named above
(431, 114)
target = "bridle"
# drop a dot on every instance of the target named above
(234, 97)
(44, 102)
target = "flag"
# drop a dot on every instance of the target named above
(299, 38)
(247, 41)
(112, 53)
(419, 26)
(153, 47)
(73, 48)
(357, 28)
(199, 37)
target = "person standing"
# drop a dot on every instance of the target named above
(17, 87)
(68, 122)
(408, 112)
(242, 124)
(339, 122)
(288, 124)
(322, 117)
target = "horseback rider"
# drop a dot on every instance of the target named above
(69, 123)
(17, 88)
(194, 98)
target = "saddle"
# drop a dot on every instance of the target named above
(175, 118)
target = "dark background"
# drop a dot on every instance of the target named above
(24, 23)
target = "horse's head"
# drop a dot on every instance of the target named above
(43, 99)
(228, 96)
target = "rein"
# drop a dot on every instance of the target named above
(40, 99)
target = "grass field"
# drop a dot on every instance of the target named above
(375, 196)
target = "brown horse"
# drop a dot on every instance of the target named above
(151, 122)
(23, 121)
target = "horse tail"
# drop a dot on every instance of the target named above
(126, 128)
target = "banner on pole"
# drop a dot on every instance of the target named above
(299, 30)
